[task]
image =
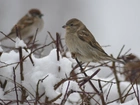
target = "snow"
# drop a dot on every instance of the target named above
(1, 50)
(19, 43)
(131, 102)
(71, 85)
(47, 72)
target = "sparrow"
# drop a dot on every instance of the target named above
(82, 44)
(27, 25)
(131, 70)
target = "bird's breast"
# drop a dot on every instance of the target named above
(39, 23)
(71, 40)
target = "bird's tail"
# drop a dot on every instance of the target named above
(115, 60)
(3, 39)
(9, 36)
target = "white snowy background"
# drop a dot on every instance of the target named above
(112, 22)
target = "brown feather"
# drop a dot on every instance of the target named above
(23, 23)
(85, 35)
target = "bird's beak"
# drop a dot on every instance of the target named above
(41, 15)
(64, 26)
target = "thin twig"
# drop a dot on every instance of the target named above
(120, 51)
(21, 69)
(117, 81)
(14, 78)
(57, 46)
(101, 94)
(42, 50)
(52, 37)
(136, 93)
(30, 57)
(21, 64)
(6, 65)
(34, 38)
(126, 51)
(7, 36)
(37, 90)
(108, 92)
(86, 76)
(66, 95)
(89, 78)
(119, 98)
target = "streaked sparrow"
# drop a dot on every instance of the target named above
(82, 44)
(27, 25)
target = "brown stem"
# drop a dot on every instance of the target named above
(14, 78)
(117, 82)
(57, 46)
(101, 95)
(86, 76)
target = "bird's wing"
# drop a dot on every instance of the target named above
(85, 35)
(23, 23)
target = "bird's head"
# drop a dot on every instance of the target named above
(35, 13)
(73, 25)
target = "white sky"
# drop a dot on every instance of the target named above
(113, 22)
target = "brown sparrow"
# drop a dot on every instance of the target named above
(27, 25)
(131, 68)
(82, 44)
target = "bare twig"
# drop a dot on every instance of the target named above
(30, 57)
(120, 51)
(66, 95)
(136, 92)
(101, 94)
(108, 92)
(57, 46)
(54, 41)
(119, 98)
(34, 38)
(21, 64)
(117, 81)
(89, 78)
(14, 78)
(86, 76)
(7, 36)
(37, 90)
(23, 97)
(126, 52)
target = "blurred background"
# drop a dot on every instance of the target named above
(112, 22)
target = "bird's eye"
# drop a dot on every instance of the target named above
(71, 24)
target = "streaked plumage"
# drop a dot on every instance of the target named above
(27, 25)
(82, 44)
